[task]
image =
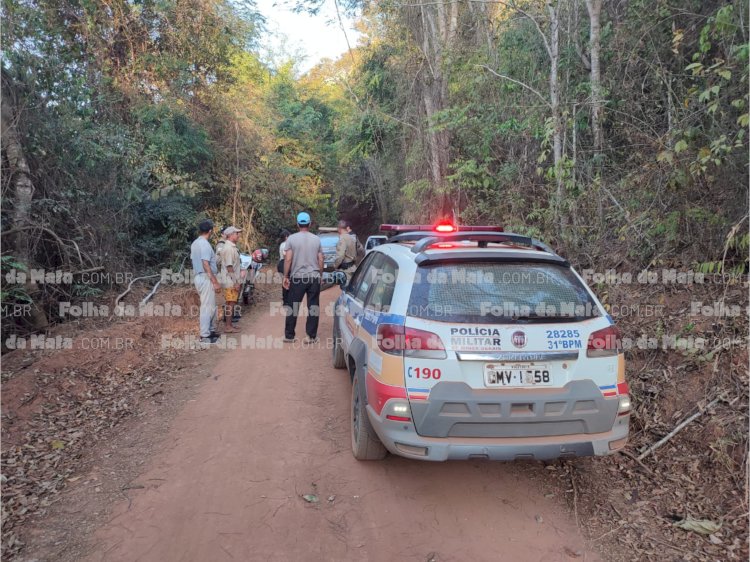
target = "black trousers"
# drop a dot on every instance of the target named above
(298, 288)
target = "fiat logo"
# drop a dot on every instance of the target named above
(518, 339)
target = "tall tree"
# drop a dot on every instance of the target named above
(18, 168)
(434, 26)
(594, 8)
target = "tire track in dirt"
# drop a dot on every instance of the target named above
(271, 426)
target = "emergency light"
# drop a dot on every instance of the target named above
(443, 227)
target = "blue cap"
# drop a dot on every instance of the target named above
(303, 219)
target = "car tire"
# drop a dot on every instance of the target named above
(339, 361)
(366, 445)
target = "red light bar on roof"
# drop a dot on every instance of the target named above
(438, 228)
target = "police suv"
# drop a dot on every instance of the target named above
(470, 342)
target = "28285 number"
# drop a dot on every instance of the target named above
(563, 334)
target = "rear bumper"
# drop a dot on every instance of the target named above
(400, 438)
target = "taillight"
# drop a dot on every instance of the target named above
(604, 343)
(397, 410)
(409, 342)
(390, 338)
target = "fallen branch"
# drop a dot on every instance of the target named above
(571, 473)
(151, 294)
(680, 427)
(51, 233)
(636, 459)
(126, 291)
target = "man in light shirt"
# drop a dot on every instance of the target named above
(303, 266)
(204, 268)
(231, 269)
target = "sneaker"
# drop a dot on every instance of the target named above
(209, 340)
(290, 340)
(214, 334)
(308, 339)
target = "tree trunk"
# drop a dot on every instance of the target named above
(557, 120)
(436, 31)
(381, 200)
(438, 145)
(23, 188)
(594, 8)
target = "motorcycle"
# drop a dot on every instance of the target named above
(251, 265)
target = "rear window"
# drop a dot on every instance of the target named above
(498, 293)
(329, 241)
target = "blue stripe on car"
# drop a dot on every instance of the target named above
(371, 325)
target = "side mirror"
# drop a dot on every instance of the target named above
(339, 278)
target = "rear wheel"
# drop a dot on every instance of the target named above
(339, 361)
(366, 445)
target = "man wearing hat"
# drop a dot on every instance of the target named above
(303, 265)
(231, 269)
(204, 268)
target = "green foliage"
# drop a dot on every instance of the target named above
(11, 294)
(170, 136)
(149, 114)
(717, 95)
(416, 191)
(164, 227)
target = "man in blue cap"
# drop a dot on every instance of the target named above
(303, 266)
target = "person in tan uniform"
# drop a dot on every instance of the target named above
(230, 275)
(346, 251)
(219, 247)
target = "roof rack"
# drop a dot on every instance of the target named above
(483, 238)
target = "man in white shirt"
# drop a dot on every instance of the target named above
(204, 269)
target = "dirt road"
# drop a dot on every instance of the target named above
(271, 426)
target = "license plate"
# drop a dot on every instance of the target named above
(517, 375)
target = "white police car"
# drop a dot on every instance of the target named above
(471, 342)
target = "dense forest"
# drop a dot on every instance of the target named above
(615, 130)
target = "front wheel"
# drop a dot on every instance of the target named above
(366, 445)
